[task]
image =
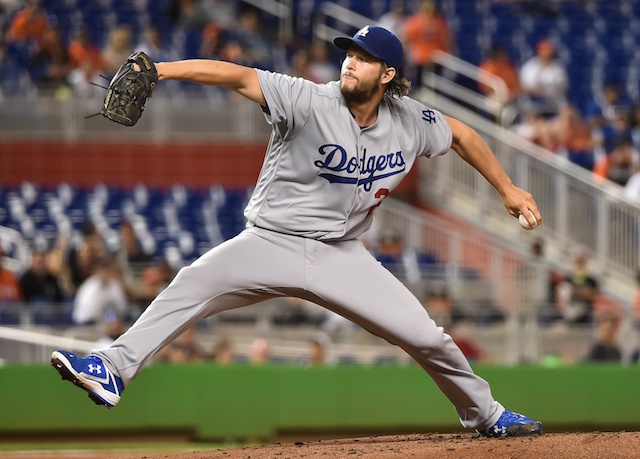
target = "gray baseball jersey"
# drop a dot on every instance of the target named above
(322, 178)
(323, 175)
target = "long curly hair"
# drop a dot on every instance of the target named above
(398, 87)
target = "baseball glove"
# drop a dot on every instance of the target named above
(129, 90)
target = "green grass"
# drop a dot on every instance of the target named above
(112, 446)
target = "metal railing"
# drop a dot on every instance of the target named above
(497, 106)
(576, 209)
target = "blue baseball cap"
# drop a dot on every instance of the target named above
(378, 42)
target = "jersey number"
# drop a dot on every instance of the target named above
(380, 194)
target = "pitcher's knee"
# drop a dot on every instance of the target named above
(429, 340)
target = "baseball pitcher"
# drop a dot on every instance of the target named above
(336, 151)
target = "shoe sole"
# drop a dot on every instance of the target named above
(524, 430)
(60, 362)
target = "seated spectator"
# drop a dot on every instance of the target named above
(82, 258)
(153, 280)
(185, 348)
(152, 43)
(441, 308)
(224, 352)
(255, 45)
(394, 19)
(620, 126)
(544, 81)
(606, 347)
(321, 69)
(10, 291)
(260, 352)
(117, 50)
(577, 292)
(619, 164)
(498, 63)
(102, 293)
(50, 65)
(12, 79)
(81, 50)
(318, 346)
(425, 32)
(38, 284)
(115, 325)
(603, 108)
(185, 15)
(29, 24)
(222, 13)
(404, 262)
(575, 138)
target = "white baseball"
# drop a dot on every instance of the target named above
(525, 224)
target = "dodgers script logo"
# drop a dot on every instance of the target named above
(342, 166)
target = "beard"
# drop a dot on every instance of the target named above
(360, 92)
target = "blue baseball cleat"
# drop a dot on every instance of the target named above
(89, 373)
(513, 424)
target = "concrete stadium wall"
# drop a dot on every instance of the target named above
(243, 402)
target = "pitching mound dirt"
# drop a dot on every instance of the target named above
(594, 445)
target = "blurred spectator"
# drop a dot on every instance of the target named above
(544, 81)
(212, 43)
(86, 61)
(620, 126)
(153, 280)
(575, 137)
(260, 352)
(321, 69)
(576, 294)
(102, 293)
(498, 63)
(82, 258)
(38, 284)
(224, 352)
(51, 64)
(9, 284)
(425, 32)
(318, 346)
(619, 164)
(115, 325)
(606, 103)
(606, 347)
(185, 348)
(222, 13)
(185, 15)
(82, 50)
(394, 19)
(441, 308)
(153, 44)
(255, 46)
(29, 24)
(565, 133)
(299, 63)
(117, 50)
(13, 78)
(405, 262)
(130, 248)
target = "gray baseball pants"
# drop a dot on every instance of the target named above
(344, 277)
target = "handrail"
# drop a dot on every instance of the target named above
(46, 339)
(474, 72)
(332, 10)
(499, 106)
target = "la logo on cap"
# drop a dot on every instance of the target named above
(364, 31)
